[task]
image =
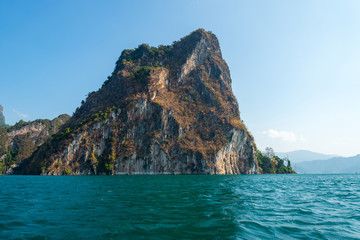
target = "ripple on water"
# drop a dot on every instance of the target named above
(173, 207)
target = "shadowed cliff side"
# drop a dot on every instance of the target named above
(165, 110)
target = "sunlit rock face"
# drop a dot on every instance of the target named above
(18, 142)
(165, 110)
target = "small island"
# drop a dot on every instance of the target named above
(269, 163)
(163, 110)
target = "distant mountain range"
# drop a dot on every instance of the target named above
(307, 162)
(304, 155)
(332, 165)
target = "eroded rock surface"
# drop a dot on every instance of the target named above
(18, 142)
(165, 110)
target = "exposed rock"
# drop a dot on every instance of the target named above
(19, 141)
(165, 110)
(2, 118)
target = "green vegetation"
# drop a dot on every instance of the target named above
(207, 114)
(96, 117)
(2, 118)
(3, 140)
(272, 164)
(104, 84)
(153, 53)
(106, 162)
(22, 147)
(15, 149)
(93, 158)
(141, 73)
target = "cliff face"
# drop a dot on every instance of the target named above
(19, 141)
(165, 110)
(2, 118)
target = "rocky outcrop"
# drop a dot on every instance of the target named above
(18, 142)
(2, 118)
(165, 110)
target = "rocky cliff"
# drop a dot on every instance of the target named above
(165, 110)
(2, 118)
(18, 142)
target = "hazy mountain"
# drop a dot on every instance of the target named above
(305, 155)
(18, 142)
(2, 118)
(333, 165)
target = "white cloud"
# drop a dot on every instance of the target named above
(302, 138)
(284, 135)
(22, 115)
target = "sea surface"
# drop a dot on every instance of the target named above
(180, 207)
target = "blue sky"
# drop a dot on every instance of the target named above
(295, 65)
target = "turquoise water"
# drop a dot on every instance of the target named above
(180, 207)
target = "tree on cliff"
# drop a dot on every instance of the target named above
(272, 164)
